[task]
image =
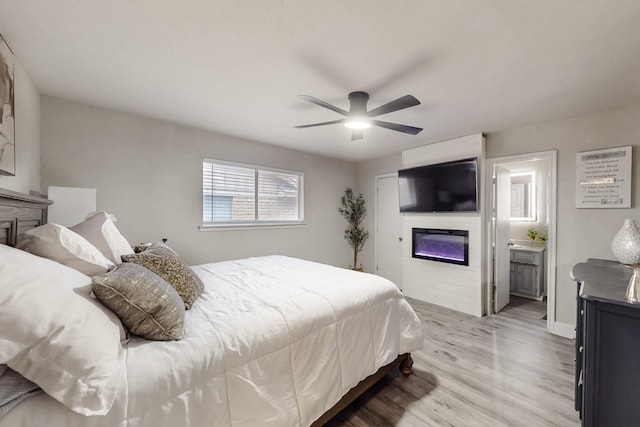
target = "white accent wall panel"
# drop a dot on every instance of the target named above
(445, 151)
(458, 287)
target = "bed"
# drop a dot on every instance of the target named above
(272, 341)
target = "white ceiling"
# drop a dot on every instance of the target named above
(237, 66)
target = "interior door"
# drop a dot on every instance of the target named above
(502, 230)
(388, 230)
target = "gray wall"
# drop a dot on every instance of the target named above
(27, 128)
(148, 173)
(582, 233)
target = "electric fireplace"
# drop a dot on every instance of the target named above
(451, 246)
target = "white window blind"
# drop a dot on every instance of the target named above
(245, 194)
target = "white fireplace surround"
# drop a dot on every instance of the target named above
(458, 287)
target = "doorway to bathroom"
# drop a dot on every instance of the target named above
(521, 232)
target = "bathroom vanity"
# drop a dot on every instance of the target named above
(527, 271)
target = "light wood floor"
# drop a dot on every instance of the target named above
(502, 370)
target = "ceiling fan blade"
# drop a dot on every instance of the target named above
(395, 126)
(395, 105)
(324, 104)
(357, 134)
(333, 122)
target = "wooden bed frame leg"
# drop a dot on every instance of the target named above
(406, 366)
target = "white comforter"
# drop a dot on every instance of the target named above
(273, 341)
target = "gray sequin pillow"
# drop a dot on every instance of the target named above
(163, 261)
(145, 303)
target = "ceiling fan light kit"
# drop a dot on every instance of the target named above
(359, 118)
(357, 123)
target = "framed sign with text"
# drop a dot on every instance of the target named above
(603, 178)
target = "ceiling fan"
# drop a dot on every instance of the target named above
(358, 118)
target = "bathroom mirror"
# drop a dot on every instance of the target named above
(523, 196)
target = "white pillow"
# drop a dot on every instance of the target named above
(99, 229)
(60, 244)
(55, 335)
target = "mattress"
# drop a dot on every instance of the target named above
(272, 341)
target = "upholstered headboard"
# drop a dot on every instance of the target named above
(19, 213)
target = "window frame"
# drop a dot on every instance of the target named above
(254, 223)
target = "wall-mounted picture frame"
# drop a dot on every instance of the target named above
(7, 111)
(603, 178)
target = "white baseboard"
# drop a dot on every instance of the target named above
(567, 330)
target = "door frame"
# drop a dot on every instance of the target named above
(551, 245)
(375, 225)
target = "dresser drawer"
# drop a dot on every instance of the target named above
(526, 257)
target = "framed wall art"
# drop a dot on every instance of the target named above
(7, 111)
(603, 178)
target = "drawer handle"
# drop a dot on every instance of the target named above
(580, 349)
(581, 312)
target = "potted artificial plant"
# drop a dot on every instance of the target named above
(353, 208)
(534, 236)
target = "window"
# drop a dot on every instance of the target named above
(239, 194)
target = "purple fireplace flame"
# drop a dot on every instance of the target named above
(450, 246)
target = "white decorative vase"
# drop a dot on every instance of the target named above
(626, 244)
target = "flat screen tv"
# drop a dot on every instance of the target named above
(442, 187)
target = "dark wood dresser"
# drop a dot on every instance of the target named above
(607, 346)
